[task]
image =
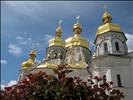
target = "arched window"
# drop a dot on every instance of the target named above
(117, 46)
(79, 57)
(61, 57)
(119, 80)
(105, 47)
(104, 79)
(55, 55)
(48, 56)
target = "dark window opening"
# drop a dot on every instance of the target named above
(119, 80)
(117, 46)
(55, 55)
(61, 57)
(104, 79)
(48, 56)
(79, 57)
(105, 47)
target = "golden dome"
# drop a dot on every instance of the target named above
(77, 26)
(106, 14)
(33, 54)
(57, 41)
(107, 18)
(108, 26)
(27, 64)
(76, 40)
(58, 31)
(30, 62)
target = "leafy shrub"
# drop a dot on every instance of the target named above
(41, 86)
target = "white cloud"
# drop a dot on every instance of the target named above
(19, 38)
(11, 83)
(23, 42)
(29, 39)
(47, 37)
(129, 41)
(35, 45)
(14, 49)
(3, 61)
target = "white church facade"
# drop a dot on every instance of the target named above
(111, 57)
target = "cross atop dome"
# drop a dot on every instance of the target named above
(78, 17)
(77, 28)
(60, 22)
(105, 8)
(59, 30)
(107, 18)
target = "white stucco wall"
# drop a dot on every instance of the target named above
(110, 66)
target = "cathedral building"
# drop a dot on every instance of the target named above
(111, 57)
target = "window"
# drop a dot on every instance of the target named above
(61, 57)
(104, 79)
(55, 55)
(48, 56)
(79, 57)
(117, 46)
(105, 47)
(119, 80)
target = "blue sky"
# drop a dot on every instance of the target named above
(30, 24)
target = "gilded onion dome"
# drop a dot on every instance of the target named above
(107, 18)
(77, 26)
(77, 40)
(30, 62)
(57, 41)
(108, 25)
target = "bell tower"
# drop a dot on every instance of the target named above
(109, 38)
(111, 58)
(78, 53)
(55, 53)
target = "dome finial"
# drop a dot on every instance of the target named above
(105, 8)
(107, 18)
(78, 17)
(59, 30)
(33, 54)
(60, 21)
(77, 28)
